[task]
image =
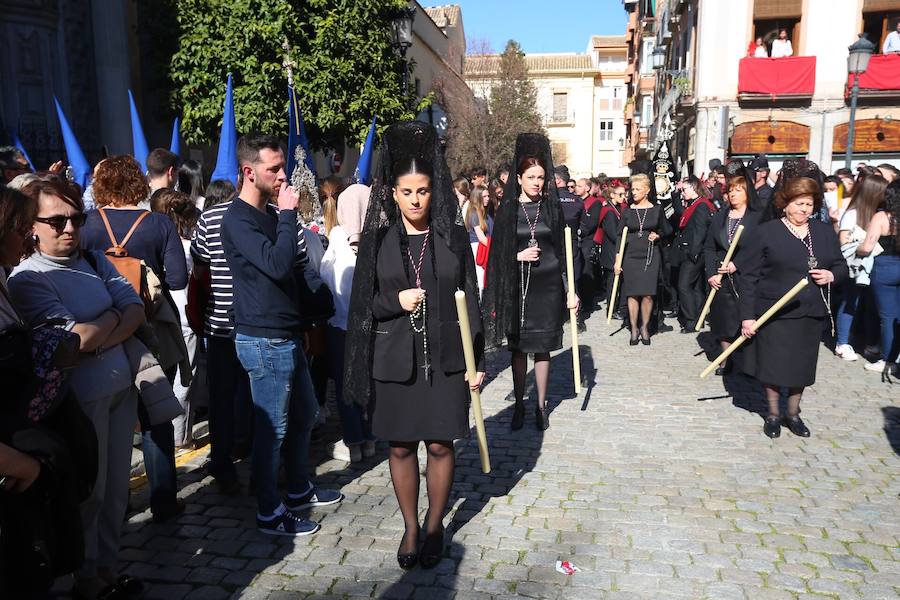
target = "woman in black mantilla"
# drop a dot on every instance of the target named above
(403, 332)
(743, 208)
(526, 297)
(646, 222)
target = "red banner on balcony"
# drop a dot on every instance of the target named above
(795, 75)
(883, 73)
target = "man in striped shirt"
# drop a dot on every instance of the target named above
(230, 407)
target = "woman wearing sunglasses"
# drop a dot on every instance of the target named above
(57, 282)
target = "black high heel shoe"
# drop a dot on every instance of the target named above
(432, 550)
(518, 416)
(634, 339)
(645, 339)
(406, 560)
(541, 418)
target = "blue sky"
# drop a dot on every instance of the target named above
(540, 26)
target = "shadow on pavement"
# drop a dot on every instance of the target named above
(892, 426)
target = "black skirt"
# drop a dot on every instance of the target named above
(418, 410)
(784, 352)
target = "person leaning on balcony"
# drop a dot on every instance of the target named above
(782, 46)
(757, 49)
(892, 42)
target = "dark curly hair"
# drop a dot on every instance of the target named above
(119, 181)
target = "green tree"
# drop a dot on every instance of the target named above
(344, 68)
(484, 134)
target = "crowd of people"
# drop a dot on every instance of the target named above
(128, 301)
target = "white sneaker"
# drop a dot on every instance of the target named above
(846, 352)
(341, 451)
(875, 366)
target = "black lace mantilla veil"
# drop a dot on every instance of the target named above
(400, 143)
(501, 297)
(737, 167)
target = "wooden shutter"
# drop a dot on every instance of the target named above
(777, 9)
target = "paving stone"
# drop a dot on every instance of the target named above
(660, 488)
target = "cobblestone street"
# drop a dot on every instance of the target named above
(654, 483)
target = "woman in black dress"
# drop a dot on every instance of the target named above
(646, 224)
(403, 332)
(743, 209)
(526, 298)
(780, 253)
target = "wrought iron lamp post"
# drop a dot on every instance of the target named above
(857, 63)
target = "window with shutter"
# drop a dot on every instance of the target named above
(560, 106)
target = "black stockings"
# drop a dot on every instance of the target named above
(541, 375)
(404, 466)
(645, 304)
(773, 395)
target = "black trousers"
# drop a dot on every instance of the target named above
(691, 288)
(587, 283)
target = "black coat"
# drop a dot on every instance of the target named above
(716, 244)
(689, 241)
(610, 244)
(394, 348)
(774, 261)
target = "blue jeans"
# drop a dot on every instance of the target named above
(354, 426)
(886, 285)
(230, 406)
(847, 312)
(158, 447)
(285, 410)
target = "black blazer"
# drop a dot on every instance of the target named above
(610, 244)
(716, 244)
(774, 260)
(689, 240)
(589, 225)
(394, 351)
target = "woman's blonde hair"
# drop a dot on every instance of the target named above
(329, 191)
(640, 178)
(476, 201)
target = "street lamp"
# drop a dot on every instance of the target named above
(659, 57)
(401, 30)
(857, 63)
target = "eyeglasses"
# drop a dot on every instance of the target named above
(58, 222)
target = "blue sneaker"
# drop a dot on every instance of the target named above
(287, 523)
(315, 497)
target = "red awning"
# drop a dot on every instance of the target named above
(794, 75)
(883, 73)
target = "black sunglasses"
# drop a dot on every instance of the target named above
(58, 222)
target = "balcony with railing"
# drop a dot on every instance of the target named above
(560, 118)
(781, 81)
(881, 79)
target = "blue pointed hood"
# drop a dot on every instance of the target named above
(79, 164)
(363, 172)
(18, 144)
(140, 150)
(175, 145)
(226, 161)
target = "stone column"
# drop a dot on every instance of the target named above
(113, 73)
